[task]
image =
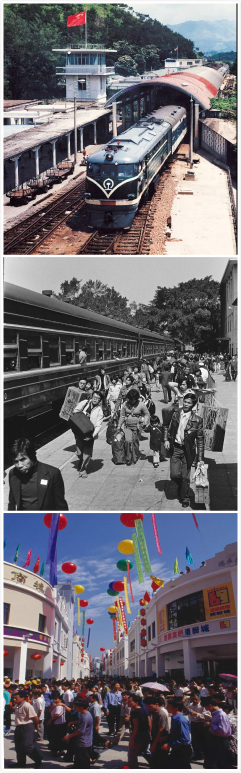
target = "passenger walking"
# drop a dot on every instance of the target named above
(112, 704)
(180, 737)
(26, 721)
(85, 444)
(156, 440)
(165, 378)
(140, 735)
(113, 393)
(181, 436)
(83, 735)
(134, 415)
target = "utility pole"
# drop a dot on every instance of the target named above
(191, 134)
(114, 120)
(75, 131)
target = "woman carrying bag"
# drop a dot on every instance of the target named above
(134, 415)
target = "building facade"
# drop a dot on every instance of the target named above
(191, 626)
(85, 72)
(38, 621)
(229, 307)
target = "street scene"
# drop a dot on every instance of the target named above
(123, 139)
(155, 384)
(120, 640)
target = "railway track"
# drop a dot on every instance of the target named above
(23, 238)
(137, 241)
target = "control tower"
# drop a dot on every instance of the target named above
(85, 72)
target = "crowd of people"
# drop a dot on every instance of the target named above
(124, 401)
(170, 724)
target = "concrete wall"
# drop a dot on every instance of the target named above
(214, 143)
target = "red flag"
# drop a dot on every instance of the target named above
(195, 521)
(77, 19)
(36, 566)
(28, 559)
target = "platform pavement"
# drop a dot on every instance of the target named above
(141, 487)
(112, 759)
(201, 222)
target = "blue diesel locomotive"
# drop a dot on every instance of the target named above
(120, 174)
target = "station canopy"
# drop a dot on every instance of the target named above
(200, 83)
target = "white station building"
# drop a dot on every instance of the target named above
(38, 621)
(191, 626)
(85, 72)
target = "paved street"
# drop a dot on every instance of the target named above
(115, 758)
(141, 487)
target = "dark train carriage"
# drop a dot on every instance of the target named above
(43, 337)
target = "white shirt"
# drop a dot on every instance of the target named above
(59, 712)
(24, 713)
(96, 415)
(184, 418)
(204, 374)
(68, 697)
(203, 714)
(204, 692)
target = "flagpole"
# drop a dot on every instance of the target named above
(85, 29)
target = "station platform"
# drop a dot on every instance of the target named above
(201, 211)
(140, 487)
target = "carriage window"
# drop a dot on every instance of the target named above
(91, 350)
(10, 360)
(107, 350)
(33, 341)
(94, 169)
(10, 336)
(99, 349)
(69, 348)
(34, 349)
(54, 350)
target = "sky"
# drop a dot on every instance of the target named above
(176, 13)
(91, 541)
(136, 278)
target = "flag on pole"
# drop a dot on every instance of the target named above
(78, 606)
(36, 566)
(83, 623)
(28, 559)
(137, 558)
(42, 570)
(176, 49)
(52, 548)
(189, 557)
(77, 19)
(4, 544)
(143, 546)
(195, 521)
(88, 640)
(128, 609)
(176, 567)
(16, 555)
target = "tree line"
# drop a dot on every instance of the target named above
(32, 31)
(190, 311)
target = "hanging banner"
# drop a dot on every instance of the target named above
(117, 616)
(83, 623)
(137, 558)
(119, 613)
(88, 640)
(123, 614)
(78, 611)
(128, 609)
(114, 632)
(143, 546)
(153, 518)
(129, 578)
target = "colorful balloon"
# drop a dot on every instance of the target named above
(122, 565)
(128, 519)
(126, 546)
(102, 649)
(112, 592)
(118, 585)
(112, 609)
(62, 521)
(69, 567)
(90, 621)
(79, 588)
(83, 603)
(111, 585)
(142, 602)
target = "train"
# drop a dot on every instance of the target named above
(42, 340)
(123, 173)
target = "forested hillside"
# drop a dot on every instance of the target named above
(32, 31)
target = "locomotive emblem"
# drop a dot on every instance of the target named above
(108, 184)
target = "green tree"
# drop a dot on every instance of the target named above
(125, 65)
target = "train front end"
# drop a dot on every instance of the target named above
(112, 187)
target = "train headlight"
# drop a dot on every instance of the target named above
(109, 157)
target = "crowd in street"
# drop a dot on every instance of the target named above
(169, 724)
(124, 401)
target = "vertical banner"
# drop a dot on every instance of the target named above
(129, 578)
(117, 616)
(83, 623)
(88, 640)
(128, 609)
(123, 614)
(137, 558)
(114, 632)
(79, 621)
(119, 613)
(143, 546)
(153, 518)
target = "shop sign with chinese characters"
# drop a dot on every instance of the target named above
(219, 601)
(190, 630)
(21, 633)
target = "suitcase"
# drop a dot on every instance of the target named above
(81, 423)
(111, 430)
(118, 449)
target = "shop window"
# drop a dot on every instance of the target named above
(82, 84)
(54, 350)
(6, 613)
(132, 645)
(153, 630)
(41, 623)
(186, 611)
(149, 633)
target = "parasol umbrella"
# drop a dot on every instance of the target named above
(229, 676)
(155, 686)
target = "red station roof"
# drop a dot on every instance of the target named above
(201, 83)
